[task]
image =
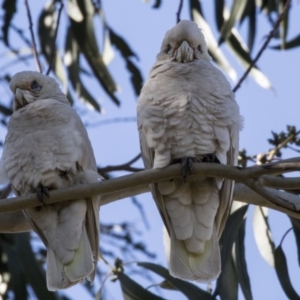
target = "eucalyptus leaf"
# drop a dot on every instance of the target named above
(236, 12)
(262, 234)
(241, 264)
(10, 8)
(227, 283)
(84, 34)
(283, 274)
(132, 290)
(191, 291)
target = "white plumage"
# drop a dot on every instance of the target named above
(47, 147)
(187, 110)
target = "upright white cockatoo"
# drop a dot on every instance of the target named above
(187, 113)
(46, 148)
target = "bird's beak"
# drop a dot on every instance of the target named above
(184, 53)
(19, 100)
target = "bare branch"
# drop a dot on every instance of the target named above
(124, 167)
(34, 49)
(53, 51)
(264, 46)
(179, 11)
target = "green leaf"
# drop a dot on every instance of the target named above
(227, 283)
(241, 264)
(236, 12)
(213, 48)
(191, 291)
(72, 63)
(250, 13)
(84, 34)
(46, 33)
(295, 42)
(17, 282)
(236, 44)
(283, 274)
(284, 24)
(262, 234)
(195, 5)
(30, 268)
(9, 8)
(132, 290)
(157, 4)
(296, 229)
(126, 52)
(219, 9)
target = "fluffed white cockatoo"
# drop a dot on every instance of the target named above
(46, 148)
(187, 113)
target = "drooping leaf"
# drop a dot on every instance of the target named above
(132, 290)
(295, 42)
(46, 33)
(283, 274)
(241, 264)
(227, 283)
(219, 8)
(9, 8)
(284, 24)
(157, 4)
(236, 44)
(191, 291)
(84, 34)
(250, 13)
(213, 48)
(262, 234)
(296, 229)
(17, 282)
(127, 53)
(72, 64)
(195, 5)
(30, 268)
(236, 12)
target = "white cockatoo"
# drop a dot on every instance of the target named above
(187, 113)
(46, 148)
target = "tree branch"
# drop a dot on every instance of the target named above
(264, 46)
(249, 176)
(54, 39)
(124, 167)
(34, 50)
(179, 11)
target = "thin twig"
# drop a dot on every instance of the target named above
(123, 167)
(34, 50)
(179, 11)
(271, 34)
(53, 50)
(281, 145)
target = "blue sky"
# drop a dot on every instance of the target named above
(263, 111)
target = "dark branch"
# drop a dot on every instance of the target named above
(124, 167)
(34, 50)
(179, 11)
(264, 46)
(54, 39)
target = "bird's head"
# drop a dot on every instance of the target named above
(30, 86)
(184, 43)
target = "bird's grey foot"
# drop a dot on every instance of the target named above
(209, 158)
(186, 167)
(41, 192)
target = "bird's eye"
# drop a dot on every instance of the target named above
(35, 86)
(168, 48)
(199, 48)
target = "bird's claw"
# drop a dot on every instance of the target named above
(41, 192)
(186, 167)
